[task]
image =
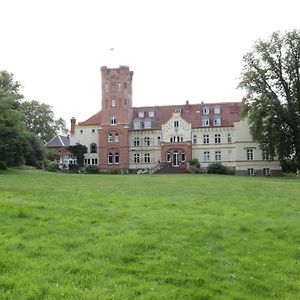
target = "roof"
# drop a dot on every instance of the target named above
(58, 141)
(93, 120)
(230, 112)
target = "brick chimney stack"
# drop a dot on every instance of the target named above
(73, 123)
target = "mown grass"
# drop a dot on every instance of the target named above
(148, 237)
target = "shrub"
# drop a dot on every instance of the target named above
(115, 171)
(217, 168)
(193, 166)
(92, 169)
(73, 168)
(52, 167)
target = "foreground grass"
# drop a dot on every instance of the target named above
(148, 237)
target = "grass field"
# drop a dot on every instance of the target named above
(75, 236)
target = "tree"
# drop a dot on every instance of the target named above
(271, 80)
(39, 119)
(79, 151)
(12, 142)
(17, 144)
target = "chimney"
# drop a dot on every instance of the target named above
(73, 123)
(187, 102)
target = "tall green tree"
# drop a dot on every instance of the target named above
(39, 119)
(12, 142)
(17, 144)
(271, 81)
(78, 150)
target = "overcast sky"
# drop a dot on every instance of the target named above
(179, 50)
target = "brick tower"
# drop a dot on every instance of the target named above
(116, 117)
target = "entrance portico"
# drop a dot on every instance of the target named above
(175, 154)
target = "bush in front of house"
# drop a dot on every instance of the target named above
(92, 170)
(193, 166)
(52, 167)
(218, 168)
(73, 168)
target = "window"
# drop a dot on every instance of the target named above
(119, 87)
(206, 156)
(205, 122)
(117, 158)
(217, 110)
(176, 124)
(81, 131)
(110, 158)
(113, 103)
(217, 121)
(266, 171)
(151, 114)
(141, 114)
(158, 140)
(194, 139)
(249, 154)
(136, 142)
(93, 148)
(93, 130)
(136, 158)
(229, 138)
(178, 110)
(168, 157)
(146, 141)
(265, 155)
(106, 88)
(217, 138)
(147, 124)
(110, 137)
(217, 155)
(137, 124)
(250, 172)
(125, 85)
(205, 139)
(182, 156)
(205, 110)
(116, 137)
(147, 157)
(113, 119)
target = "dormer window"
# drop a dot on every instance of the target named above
(113, 119)
(217, 121)
(147, 124)
(205, 122)
(151, 114)
(137, 124)
(141, 114)
(113, 103)
(217, 110)
(178, 110)
(205, 110)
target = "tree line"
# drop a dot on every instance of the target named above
(24, 125)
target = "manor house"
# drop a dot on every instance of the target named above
(124, 137)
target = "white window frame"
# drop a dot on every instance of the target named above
(194, 139)
(217, 110)
(146, 141)
(110, 138)
(205, 122)
(136, 142)
(116, 138)
(113, 103)
(119, 86)
(217, 121)
(205, 110)
(147, 158)
(176, 124)
(148, 124)
(136, 158)
(137, 124)
(205, 138)
(250, 154)
(217, 138)
(113, 120)
(266, 171)
(151, 114)
(218, 156)
(141, 114)
(106, 89)
(206, 156)
(250, 172)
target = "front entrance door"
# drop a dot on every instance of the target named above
(175, 161)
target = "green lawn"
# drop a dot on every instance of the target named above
(66, 236)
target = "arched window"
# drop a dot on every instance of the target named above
(113, 119)
(146, 141)
(93, 148)
(110, 159)
(110, 137)
(117, 158)
(168, 157)
(116, 137)
(136, 158)
(136, 142)
(147, 157)
(182, 156)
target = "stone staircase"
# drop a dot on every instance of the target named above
(169, 169)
